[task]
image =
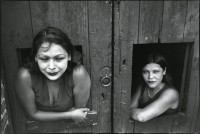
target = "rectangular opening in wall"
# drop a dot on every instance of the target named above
(178, 56)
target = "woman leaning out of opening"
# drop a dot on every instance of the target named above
(51, 86)
(155, 94)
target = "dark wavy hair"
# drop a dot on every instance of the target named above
(50, 35)
(157, 58)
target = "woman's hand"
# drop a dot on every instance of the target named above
(79, 115)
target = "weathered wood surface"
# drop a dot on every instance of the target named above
(125, 35)
(100, 52)
(15, 32)
(191, 34)
(150, 21)
(173, 21)
(44, 14)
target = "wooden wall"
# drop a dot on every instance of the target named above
(140, 22)
(107, 32)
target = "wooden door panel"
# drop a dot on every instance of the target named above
(125, 35)
(16, 33)
(100, 52)
(189, 124)
(150, 21)
(44, 14)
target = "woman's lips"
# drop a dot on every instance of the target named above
(151, 82)
(53, 74)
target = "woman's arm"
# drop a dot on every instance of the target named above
(82, 85)
(168, 99)
(26, 96)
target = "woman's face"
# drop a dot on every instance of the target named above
(52, 60)
(153, 74)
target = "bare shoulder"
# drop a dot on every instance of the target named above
(171, 96)
(79, 70)
(171, 91)
(80, 74)
(24, 76)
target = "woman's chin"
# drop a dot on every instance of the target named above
(53, 78)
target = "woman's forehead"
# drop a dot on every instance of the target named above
(47, 48)
(151, 66)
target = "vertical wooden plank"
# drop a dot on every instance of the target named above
(100, 52)
(197, 130)
(15, 32)
(44, 14)
(125, 35)
(74, 22)
(150, 21)
(173, 21)
(191, 34)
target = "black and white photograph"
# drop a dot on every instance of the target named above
(100, 66)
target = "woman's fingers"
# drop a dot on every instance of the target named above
(85, 109)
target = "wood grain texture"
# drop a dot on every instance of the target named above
(44, 14)
(125, 35)
(173, 21)
(191, 34)
(100, 52)
(16, 33)
(150, 21)
(197, 129)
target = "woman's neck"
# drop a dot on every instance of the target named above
(153, 91)
(157, 87)
(50, 82)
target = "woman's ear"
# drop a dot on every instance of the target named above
(36, 59)
(69, 58)
(164, 72)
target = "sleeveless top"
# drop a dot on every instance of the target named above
(65, 98)
(145, 100)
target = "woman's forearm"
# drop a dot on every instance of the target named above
(51, 116)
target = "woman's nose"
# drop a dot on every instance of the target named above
(150, 75)
(51, 65)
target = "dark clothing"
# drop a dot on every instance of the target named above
(65, 99)
(145, 100)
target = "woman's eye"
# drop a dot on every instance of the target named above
(59, 59)
(44, 59)
(144, 72)
(155, 71)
